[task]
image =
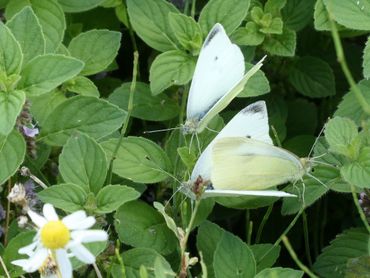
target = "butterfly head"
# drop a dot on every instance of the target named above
(306, 164)
(191, 126)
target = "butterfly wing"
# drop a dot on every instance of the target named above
(220, 66)
(250, 122)
(246, 164)
(235, 193)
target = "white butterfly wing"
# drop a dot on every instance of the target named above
(220, 67)
(251, 122)
(234, 193)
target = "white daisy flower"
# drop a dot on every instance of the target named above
(58, 240)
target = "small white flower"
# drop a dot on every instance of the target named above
(59, 240)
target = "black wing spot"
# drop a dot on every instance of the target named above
(216, 58)
(211, 35)
(254, 108)
(248, 136)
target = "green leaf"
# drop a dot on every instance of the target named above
(358, 172)
(46, 72)
(27, 30)
(50, 15)
(274, 7)
(275, 27)
(10, 52)
(321, 17)
(96, 48)
(139, 225)
(297, 14)
(233, 258)
(351, 14)
(149, 18)
(83, 162)
(248, 35)
(67, 196)
(10, 106)
(83, 86)
(349, 106)
(280, 272)
(145, 106)
(312, 77)
(366, 59)
(358, 267)
(219, 11)
(170, 68)
(136, 258)
(111, 197)
(265, 255)
(281, 45)
(12, 151)
(95, 117)
(161, 269)
(73, 6)
(257, 85)
(138, 159)
(187, 32)
(169, 221)
(350, 244)
(187, 156)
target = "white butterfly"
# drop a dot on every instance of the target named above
(232, 163)
(219, 77)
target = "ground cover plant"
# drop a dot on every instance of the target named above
(90, 184)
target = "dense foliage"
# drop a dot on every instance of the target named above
(95, 77)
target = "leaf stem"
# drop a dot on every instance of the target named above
(288, 246)
(359, 209)
(263, 223)
(4, 267)
(7, 220)
(306, 238)
(193, 5)
(128, 115)
(97, 271)
(343, 63)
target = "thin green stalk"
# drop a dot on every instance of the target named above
(7, 219)
(306, 238)
(193, 5)
(288, 246)
(250, 231)
(4, 267)
(359, 209)
(343, 63)
(128, 115)
(120, 261)
(97, 271)
(263, 223)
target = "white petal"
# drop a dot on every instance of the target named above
(88, 222)
(64, 263)
(49, 213)
(74, 219)
(22, 263)
(82, 253)
(37, 260)
(37, 219)
(29, 249)
(89, 236)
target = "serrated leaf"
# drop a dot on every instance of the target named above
(50, 15)
(138, 159)
(312, 77)
(366, 59)
(280, 272)
(149, 18)
(83, 86)
(187, 31)
(44, 73)
(352, 243)
(83, 162)
(281, 45)
(265, 255)
(68, 196)
(145, 106)
(248, 35)
(170, 68)
(111, 197)
(139, 225)
(11, 56)
(96, 48)
(73, 6)
(219, 11)
(10, 106)
(12, 151)
(351, 14)
(26, 28)
(257, 85)
(95, 117)
(358, 172)
(233, 258)
(297, 14)
(339, 133)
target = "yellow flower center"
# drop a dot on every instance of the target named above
(55, 235)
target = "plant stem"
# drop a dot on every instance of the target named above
(4, 267)
(193, 5)
(295, 258)
(343, 63)
(306, 238)
(7, 220)
(359, 209)
(97, 271)
(263, 223)
(128, 115)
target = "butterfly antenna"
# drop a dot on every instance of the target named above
(161, 130)
(212, 130)
(316, 179)
(198, 143)
(323, 163)
(191, 141)
(316, 140)
(303, 192)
